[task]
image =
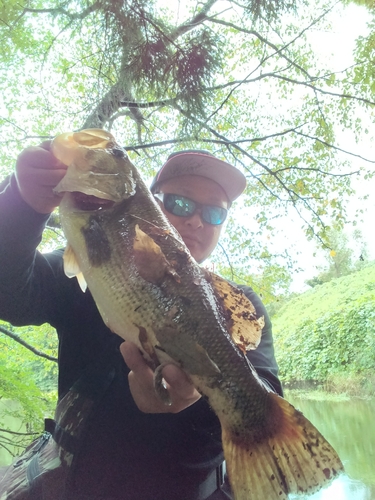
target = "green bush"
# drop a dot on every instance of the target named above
(329, 330)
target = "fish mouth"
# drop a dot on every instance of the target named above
(89, 202)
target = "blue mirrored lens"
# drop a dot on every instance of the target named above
(178, 205)
(184, 207)
(214, 215)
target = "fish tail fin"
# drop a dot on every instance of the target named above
(290, 456)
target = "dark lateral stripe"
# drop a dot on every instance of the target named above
(97, 244)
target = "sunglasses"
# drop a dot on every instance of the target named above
(185, 207)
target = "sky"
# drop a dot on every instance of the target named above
(335, 46)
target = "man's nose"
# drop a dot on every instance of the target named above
(195, 220)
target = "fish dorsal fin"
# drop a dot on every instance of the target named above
(71, 267)
(243, 325)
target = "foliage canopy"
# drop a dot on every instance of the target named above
(239, 79)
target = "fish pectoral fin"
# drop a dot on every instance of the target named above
(243, 325)
(150, 260)
(71, 267)
(287, 455)
(82, 282)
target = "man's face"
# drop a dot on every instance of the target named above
(199, 236)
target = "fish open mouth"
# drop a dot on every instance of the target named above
(88, 202)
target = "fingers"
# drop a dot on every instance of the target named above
(141, 381)
(46, 145)
(179, 382)
(132, 356)
(38, 172)
(39, 157)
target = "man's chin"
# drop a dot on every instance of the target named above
(194, 248)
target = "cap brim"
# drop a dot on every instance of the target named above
(227, 176)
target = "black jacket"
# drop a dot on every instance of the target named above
(130, 455)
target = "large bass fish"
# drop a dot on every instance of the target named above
(149, 290)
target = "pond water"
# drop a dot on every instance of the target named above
(350, 427)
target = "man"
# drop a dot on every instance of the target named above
(135, 447)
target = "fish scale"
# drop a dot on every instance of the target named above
(150, 290)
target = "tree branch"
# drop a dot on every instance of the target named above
(59, 10)
(225, 142)
(152, 104)
(237, 83)
(293, 195)
(333, 147)
(6, 449)
(19, 433)
(114, 99)
(193, 22)
(290, 80)
(278, 50)
(18, 339)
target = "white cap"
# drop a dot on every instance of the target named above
(204, 163)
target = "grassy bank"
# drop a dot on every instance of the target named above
(327, 336)
(338, 387)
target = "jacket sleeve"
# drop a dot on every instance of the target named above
(263, 357)
(28, 285)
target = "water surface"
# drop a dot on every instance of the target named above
(350, 427)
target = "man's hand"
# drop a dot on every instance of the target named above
(141, 381)
(38, 172)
